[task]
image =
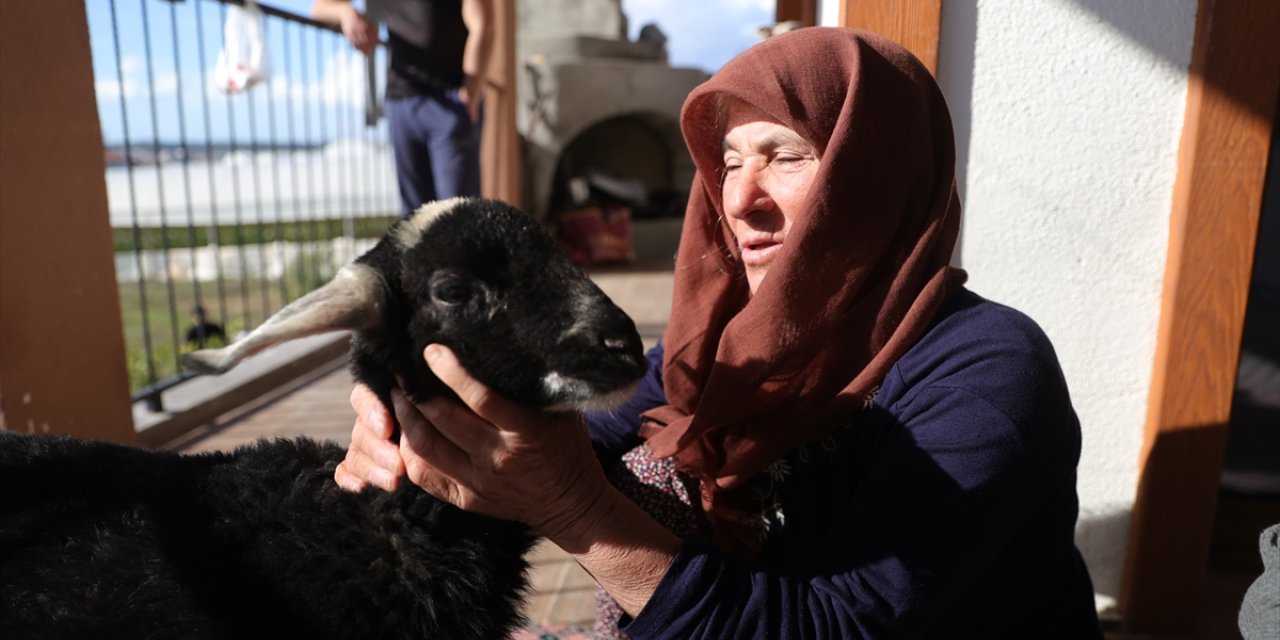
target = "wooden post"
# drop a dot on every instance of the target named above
(1222, 161)
(62, 363)
(914, 24)
(806, 11)
(500, 149)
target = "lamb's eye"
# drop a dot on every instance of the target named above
(451, 291)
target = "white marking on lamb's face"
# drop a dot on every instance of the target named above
(577, 395)
(582, 302)
(410, 231)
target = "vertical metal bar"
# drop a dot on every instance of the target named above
(389, 175)
(371, 142)
(164, 210)
(281, 241)
(371, 136)
(312, 157)
(360, 132)
(214, 241)
(290, 107)
(345, 113)
(246, 315)
(259, 221)
(367, 189)
(186, 161)
(133, 199)
(325, 133)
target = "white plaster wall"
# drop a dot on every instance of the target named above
(1068, 117)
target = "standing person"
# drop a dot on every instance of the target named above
(840, 439)
(437, 52)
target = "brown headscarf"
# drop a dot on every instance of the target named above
(860, 275)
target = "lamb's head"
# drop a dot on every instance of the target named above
(484, 279)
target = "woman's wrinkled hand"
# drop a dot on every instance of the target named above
(485, 455)
(492, 457)
(373, 457)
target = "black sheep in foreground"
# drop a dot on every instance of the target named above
(99, 540)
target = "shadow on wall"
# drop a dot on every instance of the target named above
(1097, 531)
(956, 59)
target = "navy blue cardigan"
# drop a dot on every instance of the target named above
(948, 509)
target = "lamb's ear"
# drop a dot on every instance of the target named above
(355, 299)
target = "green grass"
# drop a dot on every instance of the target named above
(239, 305)
(129, 239)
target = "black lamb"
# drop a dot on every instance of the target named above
(99, 540)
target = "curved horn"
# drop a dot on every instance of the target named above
(354, 299)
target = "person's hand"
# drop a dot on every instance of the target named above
(362, 34)
(495, 458)
(472, 94)
(492, 457)
(373, 458)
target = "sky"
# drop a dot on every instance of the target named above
(701, 33)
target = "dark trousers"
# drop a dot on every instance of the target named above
(437, 148)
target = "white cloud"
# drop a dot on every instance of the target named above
(110, 89)
(134, 72)
(130, 63)
(702, 34)
(166, 83)
(753, 6)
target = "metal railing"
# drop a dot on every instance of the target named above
(233, 204)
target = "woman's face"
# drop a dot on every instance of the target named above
(768, 170)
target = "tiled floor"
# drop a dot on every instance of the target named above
(316, 406)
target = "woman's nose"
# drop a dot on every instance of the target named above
(745, 193)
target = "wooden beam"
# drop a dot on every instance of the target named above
(500, 146)
(914, 24)
(1231, 100)
(62, 357)
(805, 11)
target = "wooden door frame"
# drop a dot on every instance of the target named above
(915, 24)
(500, 168)
(1222, 163)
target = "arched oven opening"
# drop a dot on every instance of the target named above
(636, 159)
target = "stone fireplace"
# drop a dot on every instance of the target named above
(594, 103)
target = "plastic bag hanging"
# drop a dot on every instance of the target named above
(242, 63)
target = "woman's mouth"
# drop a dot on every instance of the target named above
(759, 253)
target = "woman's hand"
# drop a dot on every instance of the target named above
(373, 458)
(493, 457)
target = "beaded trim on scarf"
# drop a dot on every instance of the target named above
(765, 489)
(667, 495)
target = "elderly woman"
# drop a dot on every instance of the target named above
(836, 438)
